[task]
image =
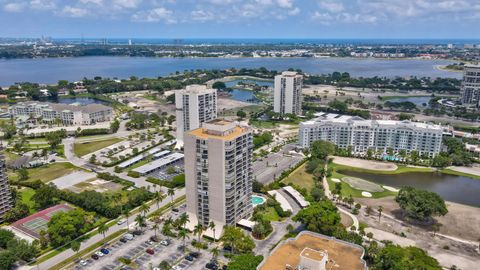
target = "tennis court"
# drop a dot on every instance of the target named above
(33, 224)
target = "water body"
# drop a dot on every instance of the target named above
(50, 70)
(246, 95)
(80, 101)
(459, 189)
(419, 101)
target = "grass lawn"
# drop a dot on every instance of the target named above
(301, 178)
(271, 214)
(84, 148)
(9, 156)
(453, 172)
(400, 169)
(347, 190)
(26, 195)
(51, 171)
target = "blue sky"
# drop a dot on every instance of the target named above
(241, 18)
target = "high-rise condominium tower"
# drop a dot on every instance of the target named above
(194, 105)
(288, 93)
(471, 85)
(218, 170)
(5, 194)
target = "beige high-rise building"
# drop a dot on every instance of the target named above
(6, 202)
(194, 105)
(287, 95)
(218, 170)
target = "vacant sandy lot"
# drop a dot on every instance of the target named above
(228, 103)
(462, 221)
(365, 164)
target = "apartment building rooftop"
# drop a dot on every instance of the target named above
(219, 129)
(198, 89)
(327, 253)
(337, 118)
(89, 108)
(289, 73)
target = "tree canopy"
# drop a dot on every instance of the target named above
(244, 262)
(321, 217)
(322, 149)
(393, 257)
(420, 204)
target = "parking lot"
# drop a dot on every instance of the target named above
(135, 250)
(266, 169)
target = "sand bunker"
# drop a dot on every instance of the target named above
(365, 164)
(391, 188)
(366, 194)
(361, 184)
(336, 180)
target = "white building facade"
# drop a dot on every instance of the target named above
(194, 105)
(471, 86)
(287, 95)
(377, 135)
(219, 174)
(67, 114)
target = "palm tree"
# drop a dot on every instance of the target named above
(184, 235)
(167, 229)
(164, 265)
(158, 198)
(184, 219)
(102, 228)
(380, 210)
(117, 199)
(170, 193)
(198, 230)
(211, 226)
(141, 221)
(155, 228)
(215, 252)
(144, 208)
(126, 214)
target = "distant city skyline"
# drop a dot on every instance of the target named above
(235, 18)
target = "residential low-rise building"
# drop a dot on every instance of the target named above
(378, 135)
(67, 114)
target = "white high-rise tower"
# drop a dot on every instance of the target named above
(288, 93)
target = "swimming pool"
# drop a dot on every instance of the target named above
(257, 200)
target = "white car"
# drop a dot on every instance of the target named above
(83, 262)
(121, 221)
(100, 254)
(128, 236)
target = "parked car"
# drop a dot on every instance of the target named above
(194, 254)
(100, 254)
(83, 262)
(123, 240)
(211, 266)
(121, 221)
(175, 210)
(189, 258)
(105, 251)
(150, 251)
(128, 236)
(165, 243)
(137, 232)
(95, 256)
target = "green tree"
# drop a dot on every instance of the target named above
(245, 262)
(393, 257)
(22, 174)
(75, 246)
(234, 238)
(103, 229)
(322, 149)
(44, 196)
(219, 85)
(321, 217)
(241, 114)
(184, 235)
(164, 265)
(420, 204)
(141, 221)
(7, 259)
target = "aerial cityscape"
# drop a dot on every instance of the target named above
(239, 135)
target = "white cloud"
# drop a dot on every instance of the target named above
(42, 4)
(74, 12)
(155, 15)
(202, 16)
(14, 7)
(294, 11)
(131, 4)
(96, 2)
(332, 6)
(285, 3)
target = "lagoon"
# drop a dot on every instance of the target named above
(459, 189)
(50, 70)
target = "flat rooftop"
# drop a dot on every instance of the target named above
(219, 129)
(313, 254)
(341, 255)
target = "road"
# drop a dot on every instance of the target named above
(98, 237)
